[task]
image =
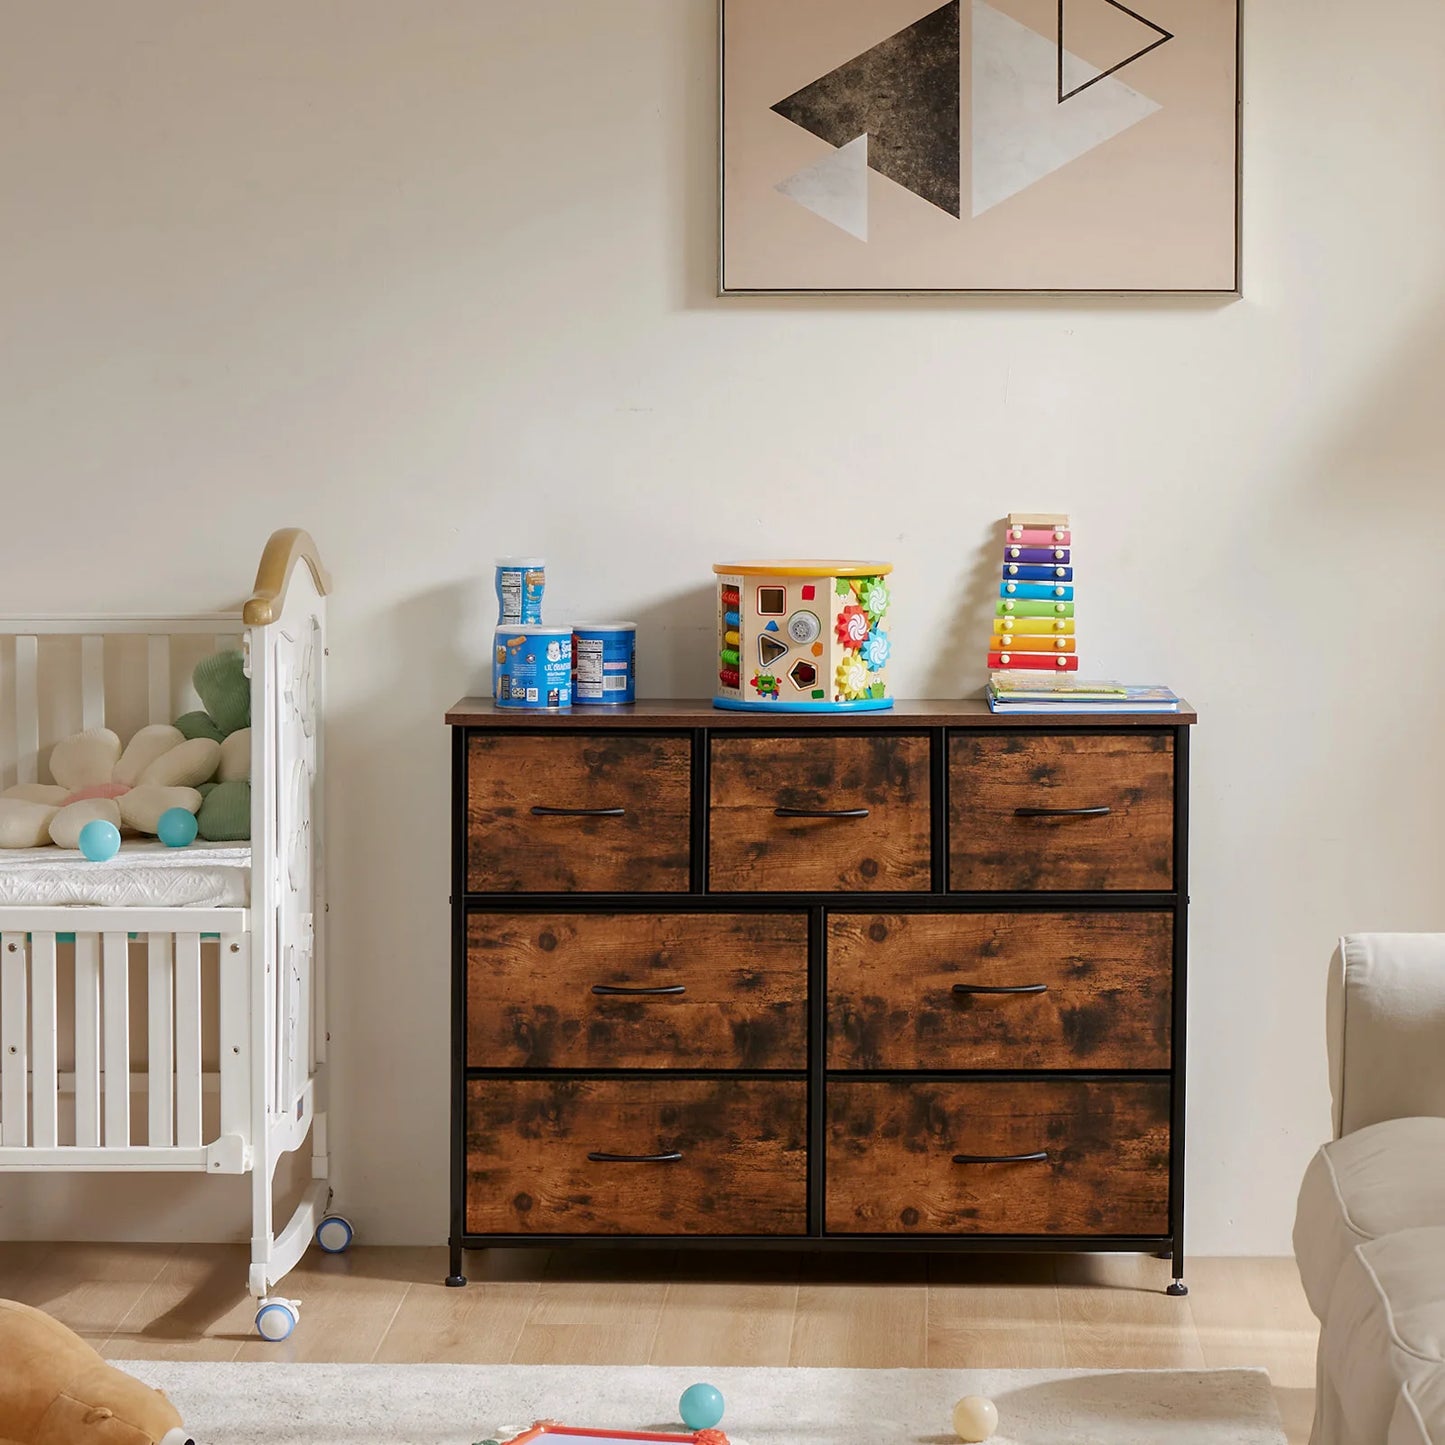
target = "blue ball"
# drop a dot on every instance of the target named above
(701, 1407)
(100, 840)
(177, 828)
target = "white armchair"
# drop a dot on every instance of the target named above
(1370, 1231)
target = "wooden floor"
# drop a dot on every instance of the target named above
(625, 1307)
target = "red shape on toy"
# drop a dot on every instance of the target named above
(809, 592)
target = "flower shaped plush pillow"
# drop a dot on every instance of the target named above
(95, 778)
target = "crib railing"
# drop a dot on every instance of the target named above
(107, 1030)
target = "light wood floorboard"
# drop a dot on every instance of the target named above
(678, 1307)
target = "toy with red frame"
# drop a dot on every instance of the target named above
(553, 1430)
(1033, 626)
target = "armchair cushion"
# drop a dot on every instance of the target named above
(1374, 1182)
(1420, 1413)
(1386, 1330)
(1386, 1020)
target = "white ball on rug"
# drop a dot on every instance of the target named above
(975, 1418)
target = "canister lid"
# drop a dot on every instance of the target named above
(604, 627)
(524, 629)
(521, 562)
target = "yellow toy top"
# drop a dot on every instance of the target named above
(804, 569)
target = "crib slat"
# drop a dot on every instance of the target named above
(158, 676)
(235, 1033)
(92, 682)
(87, 1040)
(188, 1040)
(160, 1037)
(44, 1080)
(27, 710)
(115, 964)
(14, 1057)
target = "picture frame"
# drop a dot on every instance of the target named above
(1135, 192)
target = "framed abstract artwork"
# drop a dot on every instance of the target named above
(996, 146)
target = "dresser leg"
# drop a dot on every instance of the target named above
(456, 1279)
(1178, 1287)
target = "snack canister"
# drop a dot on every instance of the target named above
(520, 581)
(604, 662)
(532, 667)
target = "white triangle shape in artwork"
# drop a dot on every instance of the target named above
(1021, 133)
(836, 188)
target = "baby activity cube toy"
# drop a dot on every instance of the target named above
(803, 636)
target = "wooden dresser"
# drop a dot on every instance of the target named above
(912, 979)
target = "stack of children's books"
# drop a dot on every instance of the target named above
(1033, 652)
(1024, 692)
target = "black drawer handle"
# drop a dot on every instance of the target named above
(607, 990)
(598, 1157)
(820, 812)
(1000, 988)
(1039, 1158)
(579, 812)
(1062, 812)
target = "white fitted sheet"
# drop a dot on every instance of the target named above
(142, 875)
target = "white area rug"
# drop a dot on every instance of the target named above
(266, 1404)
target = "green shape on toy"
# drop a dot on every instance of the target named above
(206, 789)
(225, 815)
(224, 689)
(199, 725)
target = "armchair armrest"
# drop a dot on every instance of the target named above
(1386, 1025)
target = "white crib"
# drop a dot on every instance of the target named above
(137, 1035)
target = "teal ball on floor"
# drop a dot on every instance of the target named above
(100, 840)
(176, 828)
(701, 1407)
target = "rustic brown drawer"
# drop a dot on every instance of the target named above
(637, 991)
(578, 813)
(919, 1158)
(1045, 811)
(999, 990)
(819, 813)
(636, 1156)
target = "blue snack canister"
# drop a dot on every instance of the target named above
(604, 662)
(520, 582)
(532, 667)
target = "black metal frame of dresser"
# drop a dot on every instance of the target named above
(817, 906)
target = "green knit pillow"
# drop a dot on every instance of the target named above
(225, 690)
(199, 725)
(225, 815)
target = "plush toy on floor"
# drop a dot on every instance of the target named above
(56, 1390)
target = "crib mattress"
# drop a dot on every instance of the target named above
(142, 875)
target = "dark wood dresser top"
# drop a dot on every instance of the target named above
(482, 712)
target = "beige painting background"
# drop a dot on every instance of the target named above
(1153, 209)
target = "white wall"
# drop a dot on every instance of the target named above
(434, 279)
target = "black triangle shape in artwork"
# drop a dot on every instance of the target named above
(1165, 36)
(905, 93)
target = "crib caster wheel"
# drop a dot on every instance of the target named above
(276, 1319)
(334, 1234)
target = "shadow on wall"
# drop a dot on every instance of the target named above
(396, 668)
(960, 664)
(677, 645)
(1387, 449)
